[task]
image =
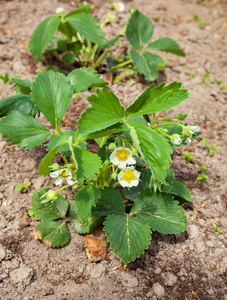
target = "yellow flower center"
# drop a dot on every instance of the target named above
(117, 7)
(64, 175)
(129, 175)
(122, 154)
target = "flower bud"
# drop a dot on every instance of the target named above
(114, 175)
(181, 116)
(51, 195)
(186, 131)
(60, 11)
(54, 167)
(134, 151)
(176, 139)
(112, 146)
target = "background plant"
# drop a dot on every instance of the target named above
(127, 184)
(139, 31)
(81, 39)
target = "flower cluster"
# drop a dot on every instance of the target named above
(128, 176)
(188, 132)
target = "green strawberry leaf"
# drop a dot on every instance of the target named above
(55, 232)
(87, 26)
(146, 64)
(178, 189)
(110, 202)
(106, 110)
(51, 210)
(52, 94)
(167, 45)
(82, 78)
(153, 148)
(42, 36)
(128, 236)
(83, 227)
(157, 99)
(86, 198)
(160, 212)
(139, 30)
(21, 103)
(88, 164)
(23, 129)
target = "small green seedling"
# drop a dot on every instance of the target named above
(224, 86)
(189, 157)
(202, 176)
(31, 213)
(210, 147)
(201, 23)
(23, 188)
(117, 79)
(203, 167)
(190, 75)
(205, 80)
(217, 229)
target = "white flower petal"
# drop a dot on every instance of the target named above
(196, 128)
(70, 181)
(120, 175)
(133, 183)
(114, 160)
(131, 160)
(123, 183)
(122, 164)
(137, 174)
(59, 181)
(55, 174)
(59, 10)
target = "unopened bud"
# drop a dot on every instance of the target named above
(114, 175)
(112, 146)
(134, 151)
(51, 195)
(181, 116)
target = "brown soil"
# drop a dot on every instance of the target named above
(190, 265)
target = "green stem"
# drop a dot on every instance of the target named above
(62, 188)
(80, 61)
(2, 88)
(98, 62)
(103, 172)
(64, 158)
(172, 123)
(60, 58)
(89, 47)
(95, 48)
(63, 21)
(123, 64)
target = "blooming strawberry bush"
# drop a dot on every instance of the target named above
(127, 185)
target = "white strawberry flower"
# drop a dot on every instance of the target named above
(61, 176)
(193, 129)
(60, 11)
(119, 6)
(129, 177)
(176, 139)
(121, 157)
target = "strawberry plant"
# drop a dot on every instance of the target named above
(127, 184)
